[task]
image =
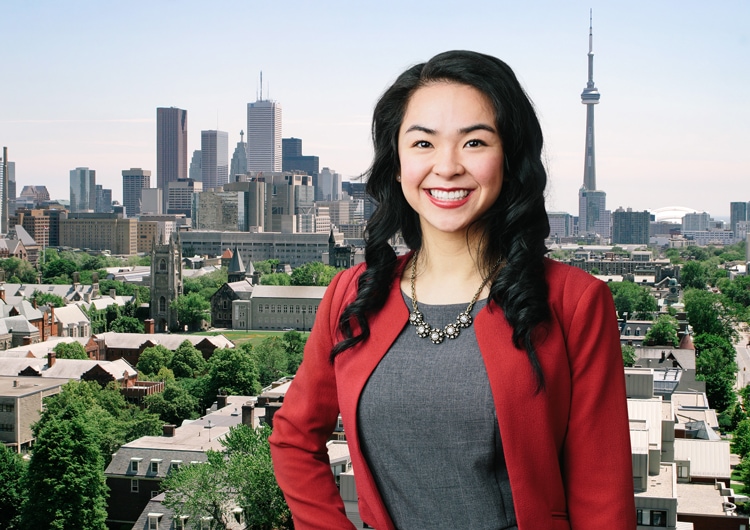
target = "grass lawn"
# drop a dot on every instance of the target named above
(253, 337)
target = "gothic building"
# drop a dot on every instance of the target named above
(166, 283)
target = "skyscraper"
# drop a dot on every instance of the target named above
(293, 160)
(82, 189)
(238, 166)
(630, 228)
(738, 211)
(214, 158)
(264, 136)
(4, 178)
(134, 180)
(171, 147)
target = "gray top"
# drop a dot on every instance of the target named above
(429, 432)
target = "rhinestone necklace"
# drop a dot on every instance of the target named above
(463, 320)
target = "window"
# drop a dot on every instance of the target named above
(207, 523)
(153, 521)
(652, 518)
(627, 331)
(162, 304)
(162, 264)
(134, 465)
(224, 304)
(180, 523)
(154, 466)
(238, 515)
(637, 332)
(174, 465)
(6, 407)
(134, 485)
(7, 427)
(682, 472)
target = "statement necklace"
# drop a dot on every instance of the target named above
(452, 330)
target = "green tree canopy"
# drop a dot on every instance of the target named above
(47, 299)
(125, 324)
(694, 275)
(245, 469)
(715, 364)
(271, 360)
(633, 300)
(276, 278)
(192, 310)
(187, 361)
(663, 332)
(709, 313)
(70, 350)
(173, 405)
(628, 355)
(12, 489)
(153, 359)
(313, 273)
(266, 266)
(233, 370)
(18, 270)
(294, 342)
(65, 478)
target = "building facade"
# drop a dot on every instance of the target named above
(630, 228)
(100, 231)
(166, 283)
(82, 189)
(214, 159)
(134, 181)
(180, 198)
(264, 136)
(171, 147)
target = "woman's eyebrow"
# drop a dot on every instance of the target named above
(420, 128)
(477, 127)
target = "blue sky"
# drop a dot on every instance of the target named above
(82, 81)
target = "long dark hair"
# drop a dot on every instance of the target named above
(514, 228)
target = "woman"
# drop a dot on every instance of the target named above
(480, 384)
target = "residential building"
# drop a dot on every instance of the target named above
(134, 181)
(630, 228)
(100, 231)
(264, 136)
(171, 148)
(694, 222)
(214, 159)
(21, 405)
(130, 346)
(82, 189)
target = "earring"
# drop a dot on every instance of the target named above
(398, 178)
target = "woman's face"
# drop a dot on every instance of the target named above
(451, 156)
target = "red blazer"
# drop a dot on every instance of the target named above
(567, 447)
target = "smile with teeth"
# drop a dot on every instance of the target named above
(454, 195)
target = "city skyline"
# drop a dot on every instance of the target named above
(673, 132)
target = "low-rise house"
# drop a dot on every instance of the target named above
(71, 321)
(129, 346)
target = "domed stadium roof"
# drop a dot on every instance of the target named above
(671, 214)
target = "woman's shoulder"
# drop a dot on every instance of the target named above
(567, 280)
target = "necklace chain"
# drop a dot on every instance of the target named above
(453, 329)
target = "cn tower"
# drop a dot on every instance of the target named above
(590, 97)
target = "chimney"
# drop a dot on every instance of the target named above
(51, 358)
(663, 356)
(271, 409)
(15, 383)
(248, 414)
(32, 303)
(2, 294)
(113, 293)
(26, 341)
(168, 430)
(149, 326)
(221, 399)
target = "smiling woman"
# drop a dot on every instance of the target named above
(488, 416)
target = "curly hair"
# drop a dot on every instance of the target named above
(514, 227)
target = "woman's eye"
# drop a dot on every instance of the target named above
(474, 143)
(422, 144)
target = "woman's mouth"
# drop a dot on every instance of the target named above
(445, 195)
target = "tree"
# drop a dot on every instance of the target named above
(12, 491)
(125, 324)
(633, 299)
(70, 350)
(295, 345)
(187, 361)
(271, 360)
(234, 371)
(153, 359)
(313, 273)
(663, 332)
(266, 266)
(737, 290)
(65, 478)
(18, 270)
(276, 278)
(693, 275)
(47, 299)
(192, 310)
(245, 469)
(628, 355)
(173, 405)
(708, 313)
(715, 364)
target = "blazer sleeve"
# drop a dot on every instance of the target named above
(596, 456)
(304, 423)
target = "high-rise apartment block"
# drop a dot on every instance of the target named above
(264, 136)
(82, 189)
(630, 228)
(214, 159)
(171, 147)
(134, 181)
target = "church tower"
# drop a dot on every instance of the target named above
(166, 283)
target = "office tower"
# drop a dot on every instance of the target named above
(214, 159)
(152, 202)
(196, 166)
(358, 192)
(593, 217)
(11, 188)
(180, 198)
(738, 211)
(4, 170)
(328, 187)
(82, 189)
(293, 160)
(291, 147)
(171, 147)
(696, 222)
(134, 181)
(103, 200)
(560, 225)
(630, 228)
(251, 203)
(293, 195)
(238, 165)
(264, 136)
